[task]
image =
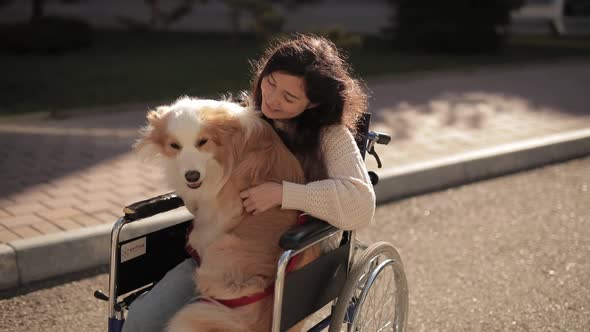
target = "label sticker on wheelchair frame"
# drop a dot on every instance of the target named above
(133, 249)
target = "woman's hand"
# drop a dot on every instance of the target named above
(262, 197)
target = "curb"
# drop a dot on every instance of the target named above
(57, 254)
(8, 267)
(415, 179)
(35, 259)
(30, 260)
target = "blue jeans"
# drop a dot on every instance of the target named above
(151, 311)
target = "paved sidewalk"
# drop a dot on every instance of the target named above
(76, 173)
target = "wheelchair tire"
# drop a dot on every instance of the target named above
(372, 268)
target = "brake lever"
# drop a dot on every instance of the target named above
(372, 152)
(103, 297)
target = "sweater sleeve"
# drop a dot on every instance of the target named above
(346, 199)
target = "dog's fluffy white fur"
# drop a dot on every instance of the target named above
(211, 151)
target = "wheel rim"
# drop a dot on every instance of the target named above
(376, 305)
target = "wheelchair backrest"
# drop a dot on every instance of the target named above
(315, 285)
(164, 249)
(362, 130)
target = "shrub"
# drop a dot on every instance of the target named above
(50, 34)
(452, 25)
(341, 37)
(267, 22)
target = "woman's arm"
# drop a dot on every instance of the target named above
(345, 200)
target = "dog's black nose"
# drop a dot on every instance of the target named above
(192, 176)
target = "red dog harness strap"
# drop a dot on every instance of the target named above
(245, 300)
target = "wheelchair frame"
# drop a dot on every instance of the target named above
(338, 264)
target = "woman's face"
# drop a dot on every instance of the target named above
(283, 96)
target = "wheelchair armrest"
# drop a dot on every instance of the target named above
(303, 235)
(152, 206)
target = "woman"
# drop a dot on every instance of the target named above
(304, 89)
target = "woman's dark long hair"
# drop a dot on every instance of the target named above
(328, 82)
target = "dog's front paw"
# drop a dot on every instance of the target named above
(180, 323)
(191, 206)
(237, 286)
(252, 284)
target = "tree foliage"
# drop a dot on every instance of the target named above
(452, 25)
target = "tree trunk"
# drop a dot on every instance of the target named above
(156, 17)
(235, 15)
(37, 9)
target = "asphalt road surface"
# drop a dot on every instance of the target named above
(508, 254)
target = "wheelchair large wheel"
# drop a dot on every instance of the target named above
(375, 296)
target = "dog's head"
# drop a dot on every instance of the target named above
(181, 136)
(202, 143)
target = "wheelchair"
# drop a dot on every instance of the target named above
(364, 286)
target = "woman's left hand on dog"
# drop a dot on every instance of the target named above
(262, 197)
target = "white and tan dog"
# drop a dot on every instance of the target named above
(211, 151)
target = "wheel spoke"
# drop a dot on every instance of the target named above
(389, 284)
(376, 314)
(385, 327)
(383, 307)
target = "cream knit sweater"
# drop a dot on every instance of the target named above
(345, 200)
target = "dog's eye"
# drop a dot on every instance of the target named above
(175, 146)
(202, 142)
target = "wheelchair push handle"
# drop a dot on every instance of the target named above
(375, 137)
(149, 207)
(379, 138)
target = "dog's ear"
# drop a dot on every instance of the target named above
(153, 135)
(155, 116)
(220, 124)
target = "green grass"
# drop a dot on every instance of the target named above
(378, 61)
(124, 67)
